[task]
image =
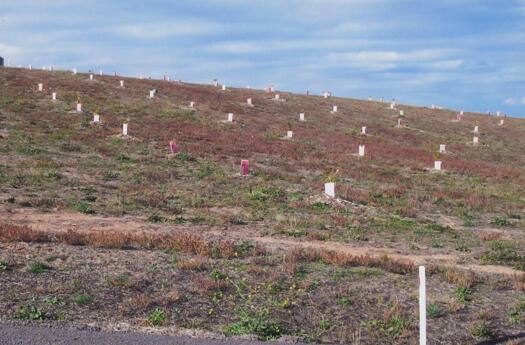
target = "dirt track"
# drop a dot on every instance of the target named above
(62, 221)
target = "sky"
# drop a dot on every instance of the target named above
(458, 54)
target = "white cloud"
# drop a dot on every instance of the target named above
(510, 101)
(523, 100)
(245, 47)
(446, 64)
(9, 51)
(168, 29)
(382, 60)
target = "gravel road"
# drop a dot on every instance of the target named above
(31, 333)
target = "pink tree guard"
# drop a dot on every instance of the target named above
(400, 122)
(245, 167)
(180, 82)
(173, 147)
(458, 117)
(307, 92)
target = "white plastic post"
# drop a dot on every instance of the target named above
(51, 68)
(476, 129)
(74, 71)
(382, 99)
(230, 117)
(101, 72)
(401, 112)
(325, 95)
(301, 117)
(30, 67)
(329, 189)
(369, 98)
(475, 140)
(114, 74)
(277, 97)
(363, 130)
(91, 77)
(361, 150)
(54, 96)
(96, 118)
(437, 165)
(122, 83)
(40, 86)
(140, 76)
(151, 94)
(334, 109)
(124, 129)
(249, 101)
(223, 87)
(289, 134)
(498, 113)
(192, 104)
(248, 87)
(79, 107)
(215, 83)
(422, 307)
(461, 112)
(442, 148)
(433, 106)
(501, 122)
(392, 105)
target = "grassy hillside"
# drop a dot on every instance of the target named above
(59, 171)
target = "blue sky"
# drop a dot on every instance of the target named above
(458, 54)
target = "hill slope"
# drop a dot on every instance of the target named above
(60, 171)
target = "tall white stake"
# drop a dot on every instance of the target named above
(422, 307)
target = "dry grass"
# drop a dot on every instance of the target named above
(192, 264)
(466, 280)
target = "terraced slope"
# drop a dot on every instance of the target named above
(68, 178)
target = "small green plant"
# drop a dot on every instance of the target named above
(344, 301)
(319, 206)
(85, 208)
(463, 248)
(53, 300)
(123, 158)
(463, 294)
(82, 300)
(517, 312)
(254, 322)
(39, 267)
(393, 328)
(157, 317)
(52, 258)
(155, 218)
(218, 275)
(501, 222)
(31, 313)
(3, 267)
(121, 280)
(325, 325)
(482, 331)
(433, 311)
(174, 259)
